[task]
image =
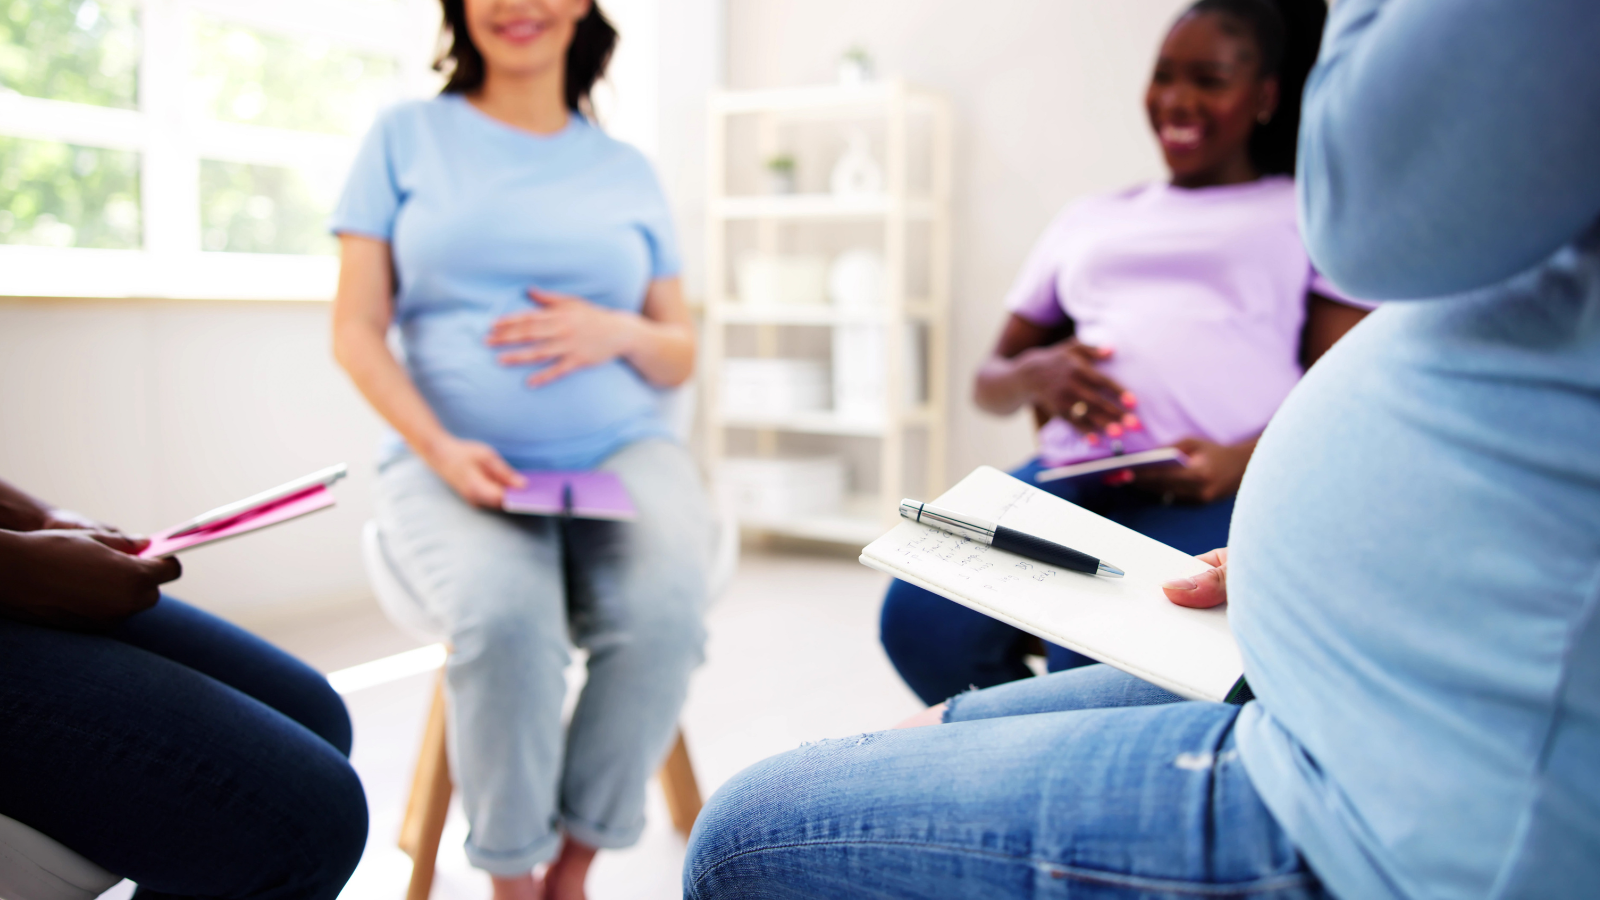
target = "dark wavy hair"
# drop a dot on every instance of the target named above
(587, 56)
(1287, 34)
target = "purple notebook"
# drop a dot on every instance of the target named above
(586, 495)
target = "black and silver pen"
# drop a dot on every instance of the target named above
(1007, 539)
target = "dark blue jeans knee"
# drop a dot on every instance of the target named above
(182, 753)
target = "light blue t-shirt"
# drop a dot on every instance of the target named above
(1415, 569)
(476, 212)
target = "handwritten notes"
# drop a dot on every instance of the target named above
(1127, 622)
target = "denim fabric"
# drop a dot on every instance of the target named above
(182, 753)
(1096, 686)
(508, 591)
(941, 647)
(1139, 802)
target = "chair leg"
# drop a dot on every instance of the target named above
(683, 792)
(429, 801)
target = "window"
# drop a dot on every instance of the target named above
(184, 147)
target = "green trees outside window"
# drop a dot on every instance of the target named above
(307, 84)
(261, 209)
(81, 51)
(60, 195)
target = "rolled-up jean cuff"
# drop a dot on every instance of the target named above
(600, 837)
(519, 862)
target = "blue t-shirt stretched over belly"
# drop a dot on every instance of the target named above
(1415, 572)
(476, 212)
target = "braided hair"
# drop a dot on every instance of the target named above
(1287, 34)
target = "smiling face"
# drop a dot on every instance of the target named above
(1205, 98)
(523, 38)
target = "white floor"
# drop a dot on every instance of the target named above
(793, 656)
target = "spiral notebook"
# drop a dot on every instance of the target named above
(1126, 622)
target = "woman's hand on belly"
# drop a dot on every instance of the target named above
(1214, 471)
(1067, 383)
(472, 469)
(566, 333)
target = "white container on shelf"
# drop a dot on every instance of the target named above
(855, 280)
(774, 489)
(768, 387)
(860, 371)
(782, 280)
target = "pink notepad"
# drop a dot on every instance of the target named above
(253, 519)
(593, 495)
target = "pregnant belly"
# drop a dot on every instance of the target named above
(477, 398)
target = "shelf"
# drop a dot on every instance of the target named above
(814, 206)
(775, 314)
(820, 98)
(824, 423)
(860, 522)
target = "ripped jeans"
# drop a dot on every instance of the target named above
(1083, 784)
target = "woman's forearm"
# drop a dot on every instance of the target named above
(366, 358)
(1004, 385)
(663, 352)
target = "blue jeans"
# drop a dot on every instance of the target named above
(1048, 787)
(182, 753)
(941, 647)
(509, 592)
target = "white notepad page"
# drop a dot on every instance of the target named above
(1127, 622)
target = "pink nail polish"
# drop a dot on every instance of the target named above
(1113, 430)
(1128, 399)
(1092, 439)
(1131, 422)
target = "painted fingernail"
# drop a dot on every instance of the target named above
(1092, 439)
(1131, 422)
(1113, 430)
(1181, 584)
(1128, 399)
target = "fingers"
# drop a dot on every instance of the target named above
(551, 298)
(500, 472)
(525, 328)
(1217, 557)
(162, 571)
(535, 354)
(556, 370)
(120, 542)
(1203, 591)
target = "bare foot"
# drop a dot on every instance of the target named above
(518, 887)
(564, 880)
(933, 715)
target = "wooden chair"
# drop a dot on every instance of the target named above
(431, 788)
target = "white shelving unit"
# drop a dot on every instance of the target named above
(914, 155)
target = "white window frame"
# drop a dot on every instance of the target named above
(172, 139)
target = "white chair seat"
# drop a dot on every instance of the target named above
(34, 867)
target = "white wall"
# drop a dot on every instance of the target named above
(1048, 99)
(669, 56)
(147, 412)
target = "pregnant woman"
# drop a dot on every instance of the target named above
(1174, 314)
(529, 262)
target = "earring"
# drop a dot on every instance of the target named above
(1264, 117)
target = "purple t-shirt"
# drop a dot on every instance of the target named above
(1201, 295)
